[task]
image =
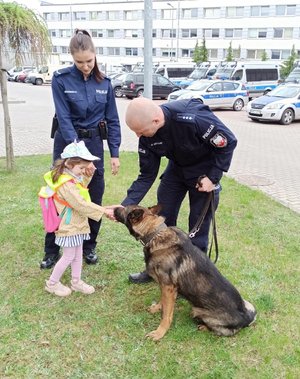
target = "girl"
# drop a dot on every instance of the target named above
(68, 180)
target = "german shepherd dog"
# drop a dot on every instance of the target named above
(179, 267)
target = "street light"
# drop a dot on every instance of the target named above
(172, 29)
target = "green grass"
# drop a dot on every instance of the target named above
(103, 335)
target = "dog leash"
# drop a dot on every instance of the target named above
(210, 202)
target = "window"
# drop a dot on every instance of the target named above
(189, 33)
(285, 10)
(234, 11)
(131, 51)
(110, 33)
(112, 15)
(99, 50)
(113, 51)
(80, 15)
(187, 53)
(154, 33)
(169, 14)
(189, 13)
(97, 33)
(262, 11)
(95, 15)
(65, 33)
(275, 54)
(283, 33)
(50, 16)
(213, 53)
(129, 33)
(63, 16)
(211, 33)
(233, 33)
(257, 33)
(258, 74)
(131, 15)
(212, 12)
(52, 33)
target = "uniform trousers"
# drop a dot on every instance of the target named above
(171, 192)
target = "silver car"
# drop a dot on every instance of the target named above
(215, 93)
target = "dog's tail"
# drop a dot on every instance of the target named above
(251, 312)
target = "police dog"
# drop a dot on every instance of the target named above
(179, 267)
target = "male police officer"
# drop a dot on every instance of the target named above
(196, 143)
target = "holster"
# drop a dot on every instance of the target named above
(54, 126)
(103, 129)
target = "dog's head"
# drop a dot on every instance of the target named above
(140, 221)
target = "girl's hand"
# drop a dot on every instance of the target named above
(109, 211)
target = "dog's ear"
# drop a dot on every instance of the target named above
(155, 209)
(135, 215)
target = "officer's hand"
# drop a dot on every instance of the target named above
(114, 164)
(90, 169)
(205, 185)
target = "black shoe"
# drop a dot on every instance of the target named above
(49, 262)
(140, 278)
(90, 257)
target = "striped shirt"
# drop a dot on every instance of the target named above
(71, 241)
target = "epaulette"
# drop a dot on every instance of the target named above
(62, 71)
(185, 117)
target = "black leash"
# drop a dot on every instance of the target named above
(210, 202)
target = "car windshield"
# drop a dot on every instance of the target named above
(198, 73)
(199, 85)
(284, 91)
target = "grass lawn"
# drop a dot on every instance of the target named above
(103, 335)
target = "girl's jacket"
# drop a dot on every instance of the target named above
(77, 196)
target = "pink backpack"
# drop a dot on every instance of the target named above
(50, 215)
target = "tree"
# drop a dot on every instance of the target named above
(288, 65)
(200, 53)
(229, 56)
(264, 56)
(25, 34)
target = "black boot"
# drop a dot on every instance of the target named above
(140, 278)
(49, 261)
(90, 257)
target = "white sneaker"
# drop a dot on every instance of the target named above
(81, 286)
(58, 289)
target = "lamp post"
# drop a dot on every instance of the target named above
(172, 29)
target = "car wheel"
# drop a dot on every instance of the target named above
(238, 105)
(287, 117)
(38, 81)
(140, 92)
(118, 92)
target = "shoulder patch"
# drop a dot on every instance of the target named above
(219, 140)
(62, 71)
(185, 117)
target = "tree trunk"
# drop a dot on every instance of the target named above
(10, 160)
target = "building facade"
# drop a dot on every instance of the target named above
(251, 27)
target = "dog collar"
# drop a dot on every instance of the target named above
(147, 239)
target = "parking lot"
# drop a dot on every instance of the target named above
(267, 156)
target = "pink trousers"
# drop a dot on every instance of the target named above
(72, 256)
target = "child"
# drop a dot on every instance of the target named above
(68, 180)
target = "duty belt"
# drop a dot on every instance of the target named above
(88, 133)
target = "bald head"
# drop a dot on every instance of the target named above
(144, 117)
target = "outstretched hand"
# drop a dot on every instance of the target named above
(109, 211)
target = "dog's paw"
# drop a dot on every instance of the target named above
(202, 327)
(155, 335)
(154, 308)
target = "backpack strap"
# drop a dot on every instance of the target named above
(61, 201)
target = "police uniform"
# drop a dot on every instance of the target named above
(196, 143)
(80, 105)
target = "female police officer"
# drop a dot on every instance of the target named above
(196, 143)
(86, 110)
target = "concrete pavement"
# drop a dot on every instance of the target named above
(267, 156)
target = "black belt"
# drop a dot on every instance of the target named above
(88, 133)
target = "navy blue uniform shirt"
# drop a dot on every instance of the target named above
(83, 103)
(193, 139)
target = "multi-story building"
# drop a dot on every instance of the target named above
(252, 27)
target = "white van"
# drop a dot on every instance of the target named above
(175, 71)
(44, 74)
(204, 70)
(258, 77)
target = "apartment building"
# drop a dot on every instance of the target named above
(117, 28)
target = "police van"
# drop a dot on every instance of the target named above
(258, 77)
(175, 71)
(204, 70)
